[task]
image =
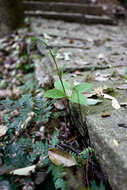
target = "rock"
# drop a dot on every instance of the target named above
(110, 143)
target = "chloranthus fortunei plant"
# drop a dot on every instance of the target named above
(63, 88)
(64, 91)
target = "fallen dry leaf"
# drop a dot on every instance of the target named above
(24, 171)
(106, 96)
(102, 77)
(106, 114)
(91, 101)
(3, 130)
(59, 157)
(46, 36)
(115, 103)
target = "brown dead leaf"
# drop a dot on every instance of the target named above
(71, 41)
(59, 157)
(106, 114)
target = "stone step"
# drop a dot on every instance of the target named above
(109, 139)
(110, 142)
(69, 1)
(72, 17)
(64, 7)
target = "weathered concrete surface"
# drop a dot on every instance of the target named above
(104, 134)
(91, 50)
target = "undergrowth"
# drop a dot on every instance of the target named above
(19, 150)
(20, 147)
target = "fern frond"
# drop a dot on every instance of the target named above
(76, 156)
(94, 186)
(58, 176)
(55, 140)
(26, 105)
(37, 147)
(42, 109)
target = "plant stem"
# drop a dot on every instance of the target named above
(87, 178)
(58, 71)
(59, 75)
(60, 78)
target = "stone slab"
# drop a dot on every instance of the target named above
(71, 17)
(64, 7)
(110, 143)
(71, 1)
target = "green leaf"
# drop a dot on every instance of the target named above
(83, 87)
(54, 93)
(78, 98)
(59, 86)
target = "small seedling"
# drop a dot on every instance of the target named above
(74, 95)
(62, 88)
